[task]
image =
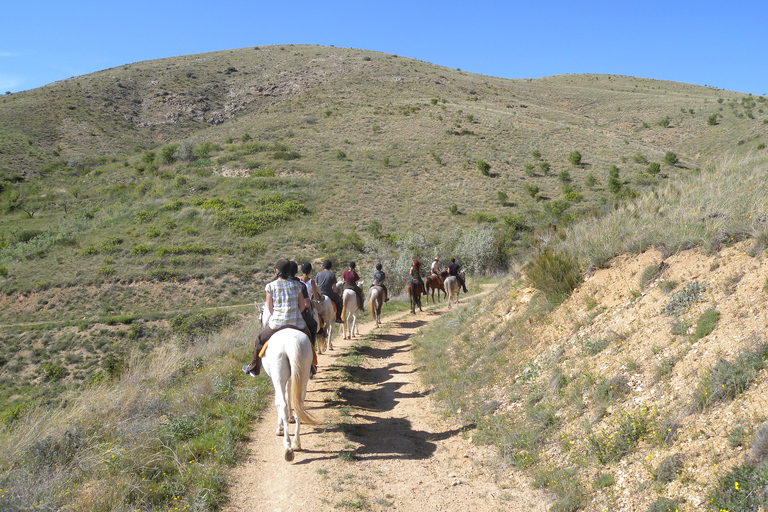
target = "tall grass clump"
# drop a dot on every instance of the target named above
(725, 380)
(555, 274)
(161, 437)
(671, 216)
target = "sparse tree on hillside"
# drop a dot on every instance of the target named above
(670, 158)
(575, 158)
(484, 167)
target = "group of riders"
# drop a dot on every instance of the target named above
(289, 298)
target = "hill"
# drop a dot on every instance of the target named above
(147, 203)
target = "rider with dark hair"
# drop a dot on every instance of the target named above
(306, 310)
(284, 301)
(351, 278)
(326, 283)
(454, 270)
(416, 274)
(306, 268)
(378, 280)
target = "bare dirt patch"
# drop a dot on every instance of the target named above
(384, 445)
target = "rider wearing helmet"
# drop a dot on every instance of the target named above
(351, 278)
(378, 280)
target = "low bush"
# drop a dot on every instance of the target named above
(682, 301)
(706, 324)
(611, 447)
(556, 275)
(726, 380)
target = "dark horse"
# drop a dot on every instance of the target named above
(414, 293)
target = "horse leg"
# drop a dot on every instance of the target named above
(330, 330)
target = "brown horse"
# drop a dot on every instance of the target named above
(434, 283)
(414, 293)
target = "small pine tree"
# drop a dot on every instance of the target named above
(484, 167)
(653, 168)
(575, 158)
(501, 196)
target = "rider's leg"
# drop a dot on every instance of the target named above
(461, 282)
(255, 365)
(360, 297)
(339, 305)
(386, 293)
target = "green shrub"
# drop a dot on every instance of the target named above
(603, 480)
(575, 158)
(545, 168)
(3, 271)
(340, 155)
(745, 488)
(484, 167)
(191, 325)
(653, 168)
(204, 149)
(144, 216)
(54, 371)
(726, 380)
(166, 155)
(528, 168)
(670, 158)
(664, 123)
(738, 436)
(453, 209)
(110, 244)
(639, 159)
(533, 191)
(649, 274)
(706, 324)
(556, 275)
(556, 209)
(482, 217)
(593, 346)
(564, 177)
(590, 181)
(712, 120)
(682, 301)
(570, 491)
(611, 447)
(536, 154)
(502, 196)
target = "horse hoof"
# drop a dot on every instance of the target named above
(288, 455)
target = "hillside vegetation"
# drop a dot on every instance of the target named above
(140, 202)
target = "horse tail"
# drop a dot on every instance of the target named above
(373, 301)
(299, 379)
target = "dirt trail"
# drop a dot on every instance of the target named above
(383, 445)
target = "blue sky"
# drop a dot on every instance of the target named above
(720, 44)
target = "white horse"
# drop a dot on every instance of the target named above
(287, 361)
(452, 288)
(329, 320)
(349, 315)
(375, 301)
